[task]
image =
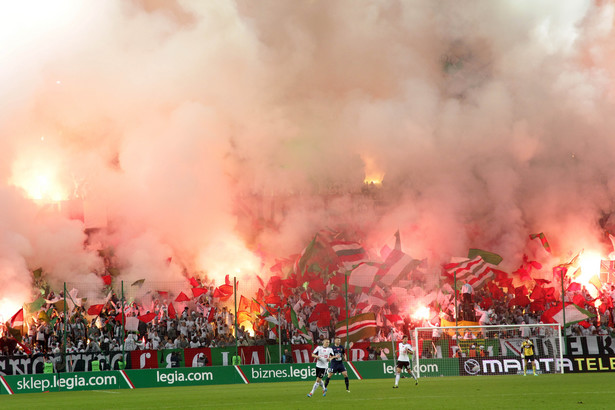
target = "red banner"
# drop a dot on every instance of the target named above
(191, 355)
(252, 354)
(144, 359)
(302, 353)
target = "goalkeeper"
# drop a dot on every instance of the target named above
(403, 361)
(528, 355)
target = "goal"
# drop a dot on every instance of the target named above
(486, 350)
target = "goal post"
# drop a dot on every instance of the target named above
(486, 350)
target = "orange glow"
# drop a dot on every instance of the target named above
(229, 256)
(40, 180)
(589, 263)
(422, 313)
(248, 327)
(8, 308)
(373, 174)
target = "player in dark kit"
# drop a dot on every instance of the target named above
(528, 355)
(336, 365)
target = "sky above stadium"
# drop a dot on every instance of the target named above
(485, 120)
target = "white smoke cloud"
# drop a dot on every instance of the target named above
(490, 121)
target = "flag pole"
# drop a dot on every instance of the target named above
(456, 308)
(123, 329)
(279, 336)
(347, 312)
(393, 345)
(235, 293)
(561, 271)
(65, 330)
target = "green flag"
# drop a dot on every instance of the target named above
(303, 330)
(489, 257)
(35, 306)
(301, 263)
(138, 283)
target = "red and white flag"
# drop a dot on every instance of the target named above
(359, 327)
(474, 271)
(363, 275)
(396, 266)
(17, 319)
(349, 254)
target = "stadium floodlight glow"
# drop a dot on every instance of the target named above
(487, 350)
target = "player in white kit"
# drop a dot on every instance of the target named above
(404, 350)
(322, 354)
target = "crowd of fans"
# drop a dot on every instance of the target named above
(205, 322)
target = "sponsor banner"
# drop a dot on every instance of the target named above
(590, 364)
(383, 369)
(283, 372)
(187, 376)
(373, 369)
(494, 366)
(581, 346)
(39, 383)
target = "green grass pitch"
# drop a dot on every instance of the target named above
(578, 391)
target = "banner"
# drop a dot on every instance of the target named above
(302, 353)
(198, 376)
(40, 383)
(575, 346)
(362, 326)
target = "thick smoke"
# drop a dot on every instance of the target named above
(173, 123)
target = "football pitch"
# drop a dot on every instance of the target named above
(586, 391)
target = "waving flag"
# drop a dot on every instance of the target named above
(148, 317)
(543, 240)
(302, 262)
(17, 319)
(349, 254)
(132, 324)
(244, 303)
(607, 271)
(138, 283)
(182, 297)
(95, 310)
(196, 292)
(359, 327)
(295, 322)
(489, 257)
(475, 271)
(396, 266)
(363, 275)
(172, 312)
(573, 312)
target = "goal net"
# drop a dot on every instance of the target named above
(486, 350)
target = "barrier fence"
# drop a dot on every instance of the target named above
(267, 373)
(583, 351)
